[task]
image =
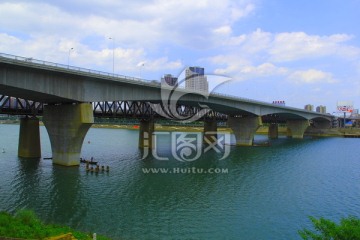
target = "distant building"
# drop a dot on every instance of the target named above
(355, 116)
(309, 107)
(196, 80)
(321, 109)
(170, 80)
(281, 103)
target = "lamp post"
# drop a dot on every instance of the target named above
(69, 56)
(141, 64)
(113, 47)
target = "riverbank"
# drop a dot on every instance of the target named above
(26, 225)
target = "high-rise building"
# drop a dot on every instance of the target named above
(196, 80)
(309, 107)
(321, 109)
(170, 80)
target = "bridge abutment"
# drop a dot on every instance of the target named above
(210, 131)
(29, 138)
(146, 131)
(67, 125)
(296, 128)
(244, 129)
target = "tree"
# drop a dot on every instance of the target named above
(348, 229)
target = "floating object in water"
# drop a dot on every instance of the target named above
(47, 158)
(107, 168)
(3, 150)
(88, 162)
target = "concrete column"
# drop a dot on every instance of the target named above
(145, 133)
(273, 131)
(244, 129)
(297, 127)
(29, 138)
(67, 125)
(210, 131)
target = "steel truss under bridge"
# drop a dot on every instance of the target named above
(109, 109)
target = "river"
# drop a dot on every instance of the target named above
(262, 193)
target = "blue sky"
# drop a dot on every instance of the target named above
(298, 51)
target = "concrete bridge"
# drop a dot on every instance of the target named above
(67, 93)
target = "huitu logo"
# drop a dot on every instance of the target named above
(186, 147)
(196, 84)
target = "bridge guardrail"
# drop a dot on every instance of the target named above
(69, 67)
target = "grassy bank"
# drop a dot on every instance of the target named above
(26, 225)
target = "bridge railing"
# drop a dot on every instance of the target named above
(73, 68)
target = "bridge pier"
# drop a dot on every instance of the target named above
(210, 131)
(244, 129)
(67, 125)
(29, 138)
(297, 127)
(147, 127)
(273, 131)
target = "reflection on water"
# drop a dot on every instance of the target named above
(267, 193)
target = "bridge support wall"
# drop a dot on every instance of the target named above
(147, 127)
(273, 131)
(297, 128)
(210, 131)
(67, 126)
(244, 129)
(29, 138)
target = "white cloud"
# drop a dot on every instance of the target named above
(263, 54)
(224, 30)
(298, 45)
(292, 46)
(138, 23)
(311, 76)
(137, 27)
(244, 72)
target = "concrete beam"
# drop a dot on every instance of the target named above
(29, 138)
(273, 131)
(210, 131)
(297, 127)
(67, 126)
(244, 129)
(146, 133)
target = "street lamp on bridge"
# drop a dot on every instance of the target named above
(113, 48)
(69, 56)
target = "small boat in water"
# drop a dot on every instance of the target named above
(88, 161)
